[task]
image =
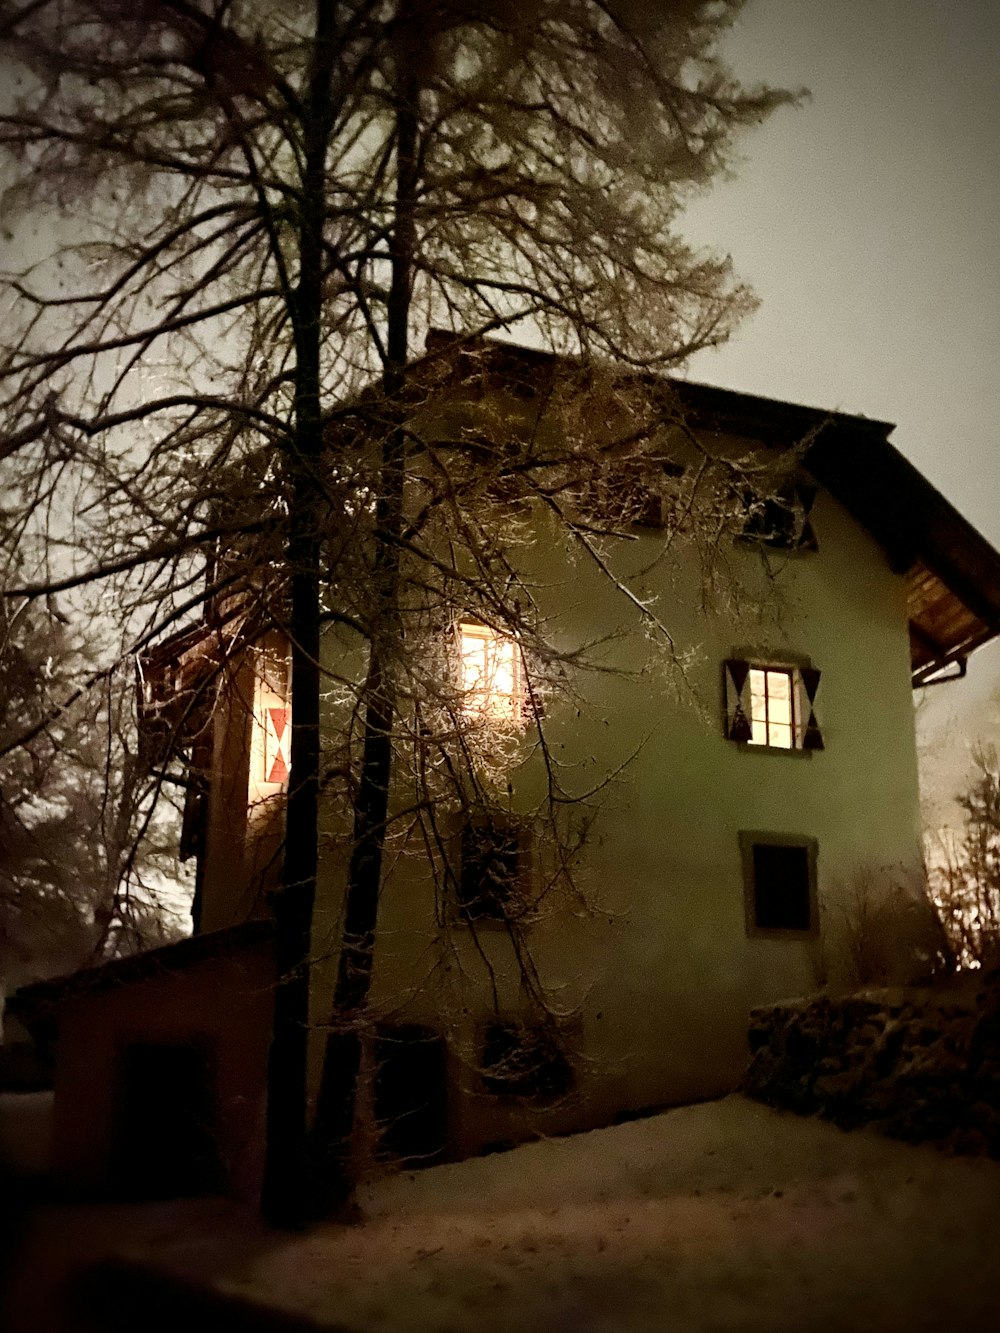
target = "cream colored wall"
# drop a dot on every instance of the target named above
(245, 814)
(658, 967)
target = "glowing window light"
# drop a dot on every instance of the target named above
(277, 735)
(772, 708)
(490, 672)
(271, 733)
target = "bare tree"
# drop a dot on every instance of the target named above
(83, 858)
(257, 213)
(965, 867)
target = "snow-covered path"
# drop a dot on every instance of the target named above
(722, 1216)
(725, 1217)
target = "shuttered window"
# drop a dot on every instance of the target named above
(781, 520)
(771, 705)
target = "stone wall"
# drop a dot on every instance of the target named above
(915, 1064)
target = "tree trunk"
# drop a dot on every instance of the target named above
(287, 1187)
(342, 1058)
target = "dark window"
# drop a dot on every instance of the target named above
(411, 1092)
(633, 491)
(521, 1061)
(165, 1124)
(780, 882)
(492, 869)
(781, 519)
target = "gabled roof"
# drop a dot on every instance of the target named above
(952, 572)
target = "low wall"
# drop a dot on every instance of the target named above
(918, 1065)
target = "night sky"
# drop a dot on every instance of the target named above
(868, 221)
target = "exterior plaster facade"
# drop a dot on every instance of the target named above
(653, 954)
(653, 964)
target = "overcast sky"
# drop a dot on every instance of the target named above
(868, 220)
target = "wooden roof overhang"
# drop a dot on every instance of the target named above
(951, 572)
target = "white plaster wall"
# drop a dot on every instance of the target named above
(659, 967)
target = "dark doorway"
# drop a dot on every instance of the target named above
(411, 1093)
(165, 1142)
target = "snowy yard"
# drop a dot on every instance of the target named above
(723, 1216)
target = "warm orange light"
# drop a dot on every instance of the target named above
(270, 742)
(772, 708)
(490, 672)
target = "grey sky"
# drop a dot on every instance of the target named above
(869, 223)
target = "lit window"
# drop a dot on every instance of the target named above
(772, 708)
(271, 738)
(490, 672)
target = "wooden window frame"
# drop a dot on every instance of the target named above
(737, 703)
(793, 725)
(487, 703)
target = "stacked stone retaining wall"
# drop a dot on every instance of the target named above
(918, 1065)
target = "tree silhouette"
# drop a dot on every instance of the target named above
(243, 220)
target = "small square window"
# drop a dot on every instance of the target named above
(524, 1061)
(780, 882)
(491, 877)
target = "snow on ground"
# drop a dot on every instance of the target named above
(721, 1216)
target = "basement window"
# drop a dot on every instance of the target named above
(524, 1061)
(779, 873)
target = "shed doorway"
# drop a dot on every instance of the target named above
(164, 1127)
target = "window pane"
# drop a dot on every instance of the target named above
(781, 887)
(474, 659)
(778, 687)
(489, 668)
(758, 695)
(780, 735)
(772, 707)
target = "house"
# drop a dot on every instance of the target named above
(741, 823)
